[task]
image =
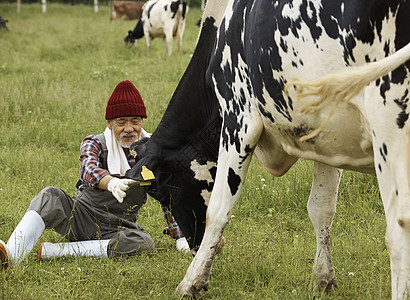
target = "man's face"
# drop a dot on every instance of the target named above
(126, 129)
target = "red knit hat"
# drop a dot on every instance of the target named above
(125, 101)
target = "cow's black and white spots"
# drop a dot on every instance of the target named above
(403, 115)
(233, 89)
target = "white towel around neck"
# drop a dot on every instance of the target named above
(117, 161)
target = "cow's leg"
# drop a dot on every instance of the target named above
(179, 37)
(168, 41)
(388, 118)
(394, 187)
(147, 39)
(233, 162)
(179, 42)
(322, 207)
(392, 159)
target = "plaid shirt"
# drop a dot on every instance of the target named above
(91, 172)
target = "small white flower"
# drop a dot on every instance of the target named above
(79, 269)
(351, 274)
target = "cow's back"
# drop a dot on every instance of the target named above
(162, 15)
(304, 42)
(153, 16)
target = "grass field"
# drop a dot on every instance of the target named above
(57, 71)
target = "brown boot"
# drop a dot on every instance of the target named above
(4, 258)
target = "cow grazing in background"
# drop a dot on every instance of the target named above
(135, 34)
(126, 10)
(3, 24)
(231, 104)
(161, 18)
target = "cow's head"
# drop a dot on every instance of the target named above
(129, 39)
(183, 150)
(135, 34)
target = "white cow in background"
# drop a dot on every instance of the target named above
(161, 18)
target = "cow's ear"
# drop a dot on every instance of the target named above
(142, 174)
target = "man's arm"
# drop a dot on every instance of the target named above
(92, 173)
(102, 184)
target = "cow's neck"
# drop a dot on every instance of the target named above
(193, 105)
(215, 9)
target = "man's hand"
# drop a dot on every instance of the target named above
(118, 187)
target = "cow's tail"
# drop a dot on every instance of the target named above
(341, 87)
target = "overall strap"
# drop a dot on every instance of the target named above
(101, 138)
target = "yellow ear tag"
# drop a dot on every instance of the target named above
(147, 173)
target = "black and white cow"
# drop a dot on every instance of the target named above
(232, 103)
(160, 18)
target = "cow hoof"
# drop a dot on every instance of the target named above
(331, 286)
(324, 286)
(188, 291)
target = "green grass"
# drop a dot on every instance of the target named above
(57, 72)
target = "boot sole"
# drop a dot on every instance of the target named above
(39, 252)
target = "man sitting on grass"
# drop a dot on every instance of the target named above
(100, 220)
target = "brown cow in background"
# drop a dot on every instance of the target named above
(127, 10)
